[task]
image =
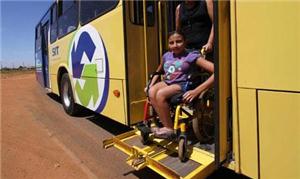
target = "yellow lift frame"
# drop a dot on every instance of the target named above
(161, 156)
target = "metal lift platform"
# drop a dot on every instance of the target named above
(161, 155)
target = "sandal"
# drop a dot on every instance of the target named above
(154, 129)
(164, 133)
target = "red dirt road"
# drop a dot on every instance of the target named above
(39, 140)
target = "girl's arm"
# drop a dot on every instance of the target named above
(208, 66)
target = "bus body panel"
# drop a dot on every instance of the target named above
(54, 78)
(103, 29)
(265, 72)
(110, 28)
(268, 41)
(58, 58)
(279, 134)
(248, 125)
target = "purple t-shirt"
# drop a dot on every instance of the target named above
(177, 67)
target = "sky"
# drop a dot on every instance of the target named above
(17, 28)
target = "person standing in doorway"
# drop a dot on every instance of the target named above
(194, 19)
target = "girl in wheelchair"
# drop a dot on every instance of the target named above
(176, 64)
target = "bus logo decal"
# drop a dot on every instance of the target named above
(89, 65)
(85, 46)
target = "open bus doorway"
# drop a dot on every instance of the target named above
(164, 156)
(45, 62)
(41, 52)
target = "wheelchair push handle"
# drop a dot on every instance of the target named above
(203, 52)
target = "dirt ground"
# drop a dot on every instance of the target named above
(39, 140)
(29, 150)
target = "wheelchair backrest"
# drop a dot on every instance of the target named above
(196, 77)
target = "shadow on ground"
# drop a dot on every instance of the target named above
(223, 172)
(108, 124)
(105, 123)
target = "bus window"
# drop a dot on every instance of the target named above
(53, 24)
(136, 12)
(37, 32)
(38, 38)
(89, 10)
(66, 5)
(67, 17)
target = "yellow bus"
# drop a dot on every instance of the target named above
(99, 54)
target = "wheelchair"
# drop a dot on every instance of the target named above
(198, 114)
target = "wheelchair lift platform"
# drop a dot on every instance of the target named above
(161, 155)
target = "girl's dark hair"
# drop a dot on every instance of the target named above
(176, 32)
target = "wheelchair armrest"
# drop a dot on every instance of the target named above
(150, 80)
(155, 73)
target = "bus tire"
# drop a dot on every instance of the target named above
(66, 96)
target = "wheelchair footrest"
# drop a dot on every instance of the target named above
(143, 128)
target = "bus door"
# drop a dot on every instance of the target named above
(45, 63)
(146, 41)
(142, 52)
(222, 86)
(38, 55)
(41, 52)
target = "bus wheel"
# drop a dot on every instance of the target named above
(66, 95)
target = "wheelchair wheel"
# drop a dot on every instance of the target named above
(182, 150)
(203, 123)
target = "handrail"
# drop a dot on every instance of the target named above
(145, 40)
(160, 27)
